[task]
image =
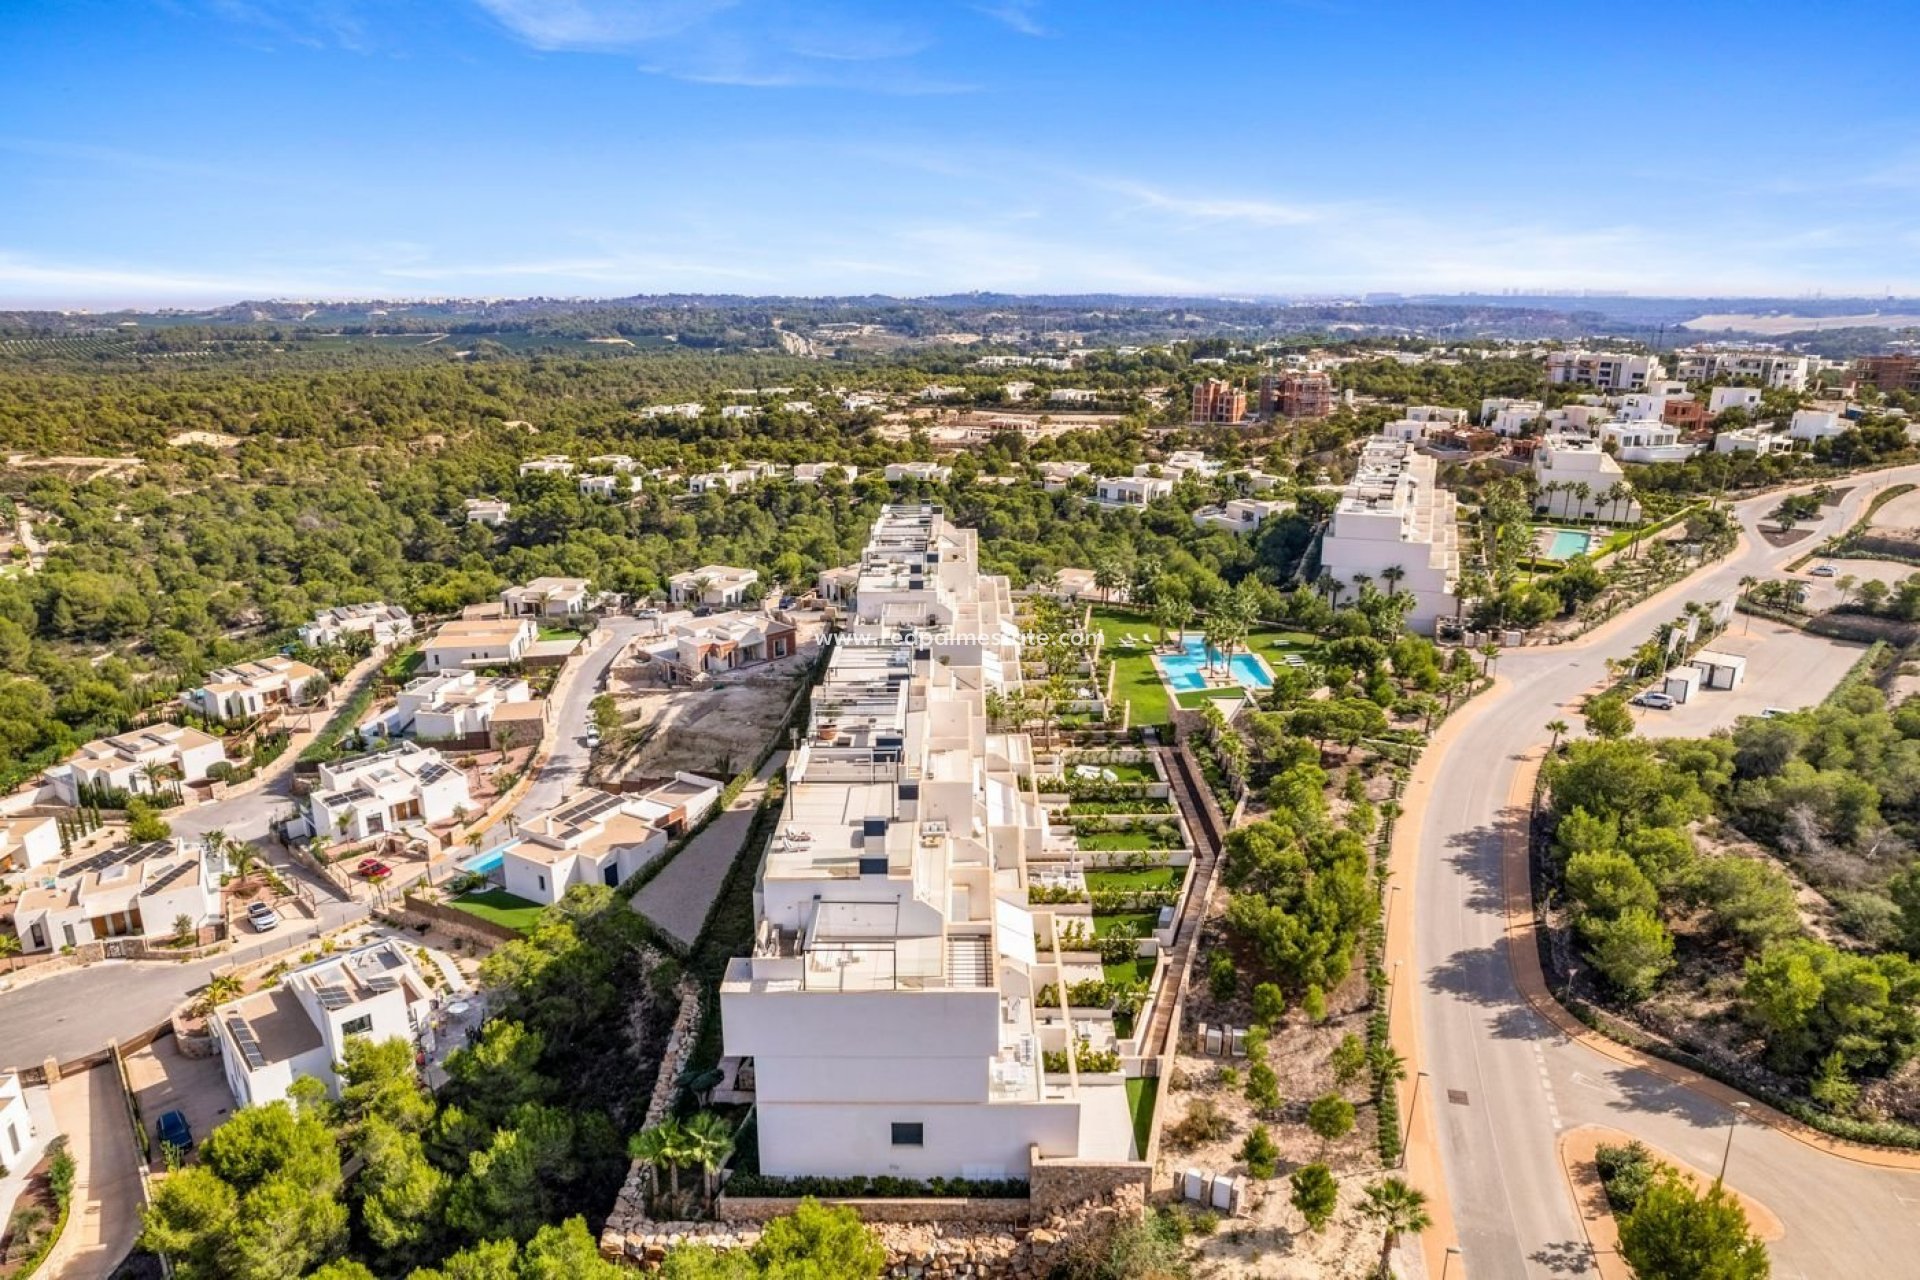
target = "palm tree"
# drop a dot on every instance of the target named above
(1557, 728)
(664, 1144)
(1393, 573)
(241, 854)
(709, 1142)
(1491, 652)
(1399, 1209)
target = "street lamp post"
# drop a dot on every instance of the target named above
(1393, 990)
(1573, 971)
(1452, 1253)
(1413, 1102)
(1739, 1109)
(1386, 918)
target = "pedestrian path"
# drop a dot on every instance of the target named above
(681, 897)
(105, 1219)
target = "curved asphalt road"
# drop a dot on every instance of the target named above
(1502, 1084)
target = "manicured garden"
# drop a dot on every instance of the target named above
(1142, 1091)
(497, 906)
(1142, 923)
(1118, 881)
(1132, 969)
(1136, 680)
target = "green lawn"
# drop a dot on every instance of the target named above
(1141, 1092)
(1137, 969)
(1146, 878)
(1115, 840)
(497, 906)
(1137, 681)
(558, 633)
(1143, 922)
(1200, 697)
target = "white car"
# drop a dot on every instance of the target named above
(1824, 571)
(263, 917)
(593, 735)
(1657, 701)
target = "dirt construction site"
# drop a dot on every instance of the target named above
(716, 727)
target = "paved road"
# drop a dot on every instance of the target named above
(105, 1218)
(1503, 1084)
(680, 898)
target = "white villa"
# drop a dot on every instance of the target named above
(27, 841)
(815, 472)
(250, 688)
(554, 464)
(491, 512)
(1578, 479)
(1505, 416)
(130, 890)
(301, 1027)
(1722, 399)
(597, 838)
(723, 642)
(725, 480)
(404, 786)
(687, 409)
(605, 486)
(1758, 439)
(1809, 425)
(546, 598)
(127, 761)
(931, 472)
(1394, 515)
(889, 1003)
(837, 585)
(1646, 441)
(1055, 476)
(1131, 491)
(454, 704)
(388, 624)
(619, 462)
(717, 586)
(479, 642)
(1240, 515)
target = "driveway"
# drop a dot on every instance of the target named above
(164, 1079)
(680, 898)
(105, 1219)
(1500, 1085)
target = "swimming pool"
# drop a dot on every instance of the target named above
(485, 863)
(1185, 671)
(1567, 543)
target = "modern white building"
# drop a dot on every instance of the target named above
(554, 464)
(684, 410)
(598, 838)
(387, 626)
(716, 586)
(605, 486)
(491, 512)
(28, 841)
(453, 704)
(1394, 515)
(128, 891)
(1762, 440)
(1578, 480)
(815, 472)
(837, 585)
(725, 480)
(21, 1141)
(1072, 395)
(1055, 476)
(722, 642)
(1435, 413)
(1809, 425)
(929, 472)
(1240, 515)
(890, 1002)
(1131, 491)
(407, 785)
(1772, 369)
(301, 1027)
(546, 598)
(251, 688)
(616, 462)
(1646, 441)
(1505, 416)
(1604, 370)
(1722, 399)
(144, 760)
(479, 642)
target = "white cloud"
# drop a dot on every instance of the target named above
(1015, 14)
(1251, 211)
(599, 25)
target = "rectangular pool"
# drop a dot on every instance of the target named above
(1565, 544)
(1185, 672)
(485, 863)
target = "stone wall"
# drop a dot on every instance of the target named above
(743, 1209)
(1055, 1186)
(673, 1059)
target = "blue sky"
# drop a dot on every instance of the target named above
(208, 150)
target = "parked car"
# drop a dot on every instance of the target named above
(1657, 701)
(1772, 713)
(374, 869)
(593, 735)
(1824, 571)
(174, 1131)
(262, 917)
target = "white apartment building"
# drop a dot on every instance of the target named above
(1435, 413)
(407, 785)
(128, 762)
(717, 586)
(889, 1004)
(1240, 515)
(1505, 416)
(546, 598)
(1072, 395)
(1131, 491)
(1575, 417)
(597, 838)
(250, 688)
(388, 625)
(1722, 399)
(1603, 370)
(554, 464)
(27, 841)
(1809, 425)
(1762, 440)
(491, 512)
(1646, 441)
(930, 472)
(479, 642)
(454, 704)
(301, 1027)
(1394, 515)
(1577, 479)
(128, 891)
(815, 472)
(1772, 369)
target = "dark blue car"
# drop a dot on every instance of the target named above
(175, 1132)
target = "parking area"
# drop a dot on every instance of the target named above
(166, 1080)
(1824, 593)
(1785, 668)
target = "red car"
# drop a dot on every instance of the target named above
(374, 869)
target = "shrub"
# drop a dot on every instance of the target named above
(1203, 1123)
(1625, 1173)
(1263, 1087)
(1315, 1194)
(1223, 979)
(1330, 1117)
(1261, 1152)
(1269, 1004)
(1314, 1005)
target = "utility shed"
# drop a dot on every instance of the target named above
(1720, 670)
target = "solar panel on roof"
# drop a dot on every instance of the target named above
(332, 998)
(249, 1047)
(172, 874)
(382, 982)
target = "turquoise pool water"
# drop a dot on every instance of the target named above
(1186, 671)
(485, 863)
(1568, 543)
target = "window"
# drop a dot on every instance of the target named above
(357, 1026)
(909, 1135)
(543, 884)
